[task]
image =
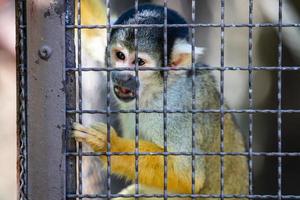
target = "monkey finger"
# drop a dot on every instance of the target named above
(79, 127)
(79, 136)
(88, 134)
(102, 127)
(96, 144)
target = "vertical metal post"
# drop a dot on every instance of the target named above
(137, 106)
(21, 100)
(250, 97)
(108, 104)
(46, 99)
(70, 89)
(279, 99)
(193, 98)
(165, 97)
(79, 82)
(222, 103)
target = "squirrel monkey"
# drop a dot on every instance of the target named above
(120, 53)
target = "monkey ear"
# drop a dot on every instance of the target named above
(182, 54)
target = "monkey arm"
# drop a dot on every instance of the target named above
(151, 167)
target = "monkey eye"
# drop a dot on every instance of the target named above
(141, 62)
(120, 55)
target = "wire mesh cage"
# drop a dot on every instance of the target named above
(59, 83)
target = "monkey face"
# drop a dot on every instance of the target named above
(126, 84)
(149, 43)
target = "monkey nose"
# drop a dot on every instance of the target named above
(125, 79)
(122, 77)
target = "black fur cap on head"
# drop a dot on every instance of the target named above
(150, 39)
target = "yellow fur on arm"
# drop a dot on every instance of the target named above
(151, 167)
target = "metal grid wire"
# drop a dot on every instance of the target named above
(21, 92)
(250, 68)
(72, 153)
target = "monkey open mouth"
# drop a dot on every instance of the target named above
(124, 93)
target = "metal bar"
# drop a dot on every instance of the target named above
(108, 101)
(46, 99)
(165, 96)
(21, 101)
(250, 96)
(79, 83)
(136, 181)
(269, 154)
(188, 111)
(237, 196)
(279, 99)
(199, 68)
(254, 25)
(222, 105)
(193, 98)
(70, 88)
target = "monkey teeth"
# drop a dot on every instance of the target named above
(123, 93)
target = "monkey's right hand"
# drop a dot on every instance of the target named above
(95, 136)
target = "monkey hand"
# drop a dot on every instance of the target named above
(95, 135)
